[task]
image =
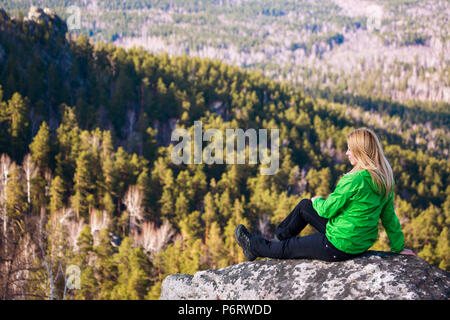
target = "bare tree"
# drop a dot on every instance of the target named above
(30, 169)
(18, 251)
(54, 254)
(5, 167)
(133, 202)
(98, 220)
(73, 227)
(17, 260)
(154, 239)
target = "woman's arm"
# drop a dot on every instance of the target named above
(345, 189)
(392, 225)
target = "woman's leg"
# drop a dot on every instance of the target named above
(314, 246)
(297, 220)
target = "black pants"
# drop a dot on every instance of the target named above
(315, 246)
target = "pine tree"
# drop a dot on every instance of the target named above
(5, 138)
(150, 144)
(84, 186)
(106, 269)
(88, 286)
(123, 92)
(225, 206)
(181, 207)
(232, 249)
(108, 204)
(167, 201)
(199, 184)
(215, 247)
(15, 196)
(190, 227)
(18, 112)
(443, 249)
(190, 260)
(57, 194)
(134, 269)
(209, 215)
(143, 182)
(108, 173)
(40, 147)
(68, 145)
(319, 182)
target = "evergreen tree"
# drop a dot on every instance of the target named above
(443, 249)
(150, 144)
(15, 197)
(190, 226)
(84, 186)
(134, 268)
(88, 282)
(167, 201)
(319, 181)
(106, 269)
(40, 147)
(215, 247)
(57, 194)
(209, 215)
(181, 207)
(68, 146)
(17, 111)
(5, 138)
(234, 253)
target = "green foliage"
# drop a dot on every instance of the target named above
(40, 147)
(15, 198)
(57, 194)
(133, 271)
(15, 123)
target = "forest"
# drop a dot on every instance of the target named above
(325, 47)
(87, 178)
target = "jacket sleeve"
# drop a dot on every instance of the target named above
(345, 189)
(392, 225)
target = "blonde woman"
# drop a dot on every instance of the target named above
(347, 220)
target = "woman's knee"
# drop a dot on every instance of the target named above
(304, 203)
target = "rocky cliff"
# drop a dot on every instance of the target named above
(374, 275)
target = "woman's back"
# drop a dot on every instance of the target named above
(354, 209)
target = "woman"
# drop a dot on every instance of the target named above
(347, 220)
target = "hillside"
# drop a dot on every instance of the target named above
(88, 178)
(392, 50)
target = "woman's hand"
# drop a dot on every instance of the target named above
(407, 252)
(312, 199)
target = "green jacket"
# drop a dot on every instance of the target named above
(354, 209)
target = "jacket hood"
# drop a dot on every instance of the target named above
(368, 178)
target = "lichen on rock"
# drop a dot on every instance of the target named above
(373, 275)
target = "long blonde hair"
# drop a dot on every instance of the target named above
(368, 154)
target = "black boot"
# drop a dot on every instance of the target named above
(243, 239)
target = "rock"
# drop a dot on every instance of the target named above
(374, 275)
(47, 15)
(50, 12)
(36, 13)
